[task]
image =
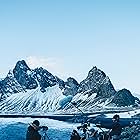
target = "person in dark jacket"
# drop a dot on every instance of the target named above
(32, 132)
(116, 128)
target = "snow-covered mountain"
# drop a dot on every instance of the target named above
(32, 90)
(96, 92)
(34, 101)
(31, 79)
(9, 85)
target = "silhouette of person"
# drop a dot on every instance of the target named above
(116, 128)
(32, 132)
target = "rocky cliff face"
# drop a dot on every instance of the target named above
(124, 98)
(23, 75)
(97, 82)
(44, 78)
(31, 79)
(71, 87)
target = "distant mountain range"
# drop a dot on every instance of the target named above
(37, 90)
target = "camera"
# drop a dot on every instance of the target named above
(45, 128)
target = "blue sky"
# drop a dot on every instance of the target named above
(69, 37)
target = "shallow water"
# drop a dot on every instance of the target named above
(15, 128)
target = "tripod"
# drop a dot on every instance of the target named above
(44, 135)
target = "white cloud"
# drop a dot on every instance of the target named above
(53, 65)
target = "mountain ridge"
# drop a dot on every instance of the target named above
(95, 91)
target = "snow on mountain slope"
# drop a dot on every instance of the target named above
(33, 101)
(87, 103)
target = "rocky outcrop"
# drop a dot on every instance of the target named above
(23, 75)
(71, 87)
(124, 98)
(44, 78)
(98, 82)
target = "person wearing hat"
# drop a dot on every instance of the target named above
(32, 132)
(116, 128)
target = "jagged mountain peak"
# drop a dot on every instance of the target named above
(23, 75)
(96, 76)
(94, 72)
(43, 72)
(94, 90)
(27, 78)
(97, 82)
(31, 79)
(21, 65)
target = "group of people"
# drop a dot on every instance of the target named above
(113, 134)
(92, 134)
